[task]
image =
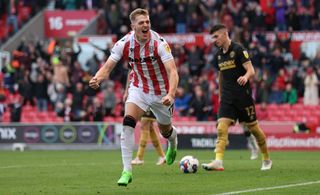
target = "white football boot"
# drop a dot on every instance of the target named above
(266, 165)
(215, 165)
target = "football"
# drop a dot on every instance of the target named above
(189, 164)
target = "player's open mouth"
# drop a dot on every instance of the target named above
(145, 31)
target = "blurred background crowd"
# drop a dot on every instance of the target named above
(46, 76)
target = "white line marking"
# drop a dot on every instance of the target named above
(51, 165)
(271, 188)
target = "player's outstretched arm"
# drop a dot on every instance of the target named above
(103, 73)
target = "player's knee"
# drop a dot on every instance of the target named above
(129, 121)
(257, 132)
(253, 128)
(143, 143)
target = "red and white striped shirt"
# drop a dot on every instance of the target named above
(146, 60)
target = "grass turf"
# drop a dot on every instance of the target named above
(96, 172)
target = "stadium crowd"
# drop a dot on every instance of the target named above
(47, 74)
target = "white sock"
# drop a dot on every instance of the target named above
(173, 139)
(127, 144)
(252, 144)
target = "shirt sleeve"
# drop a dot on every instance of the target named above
(164, 51)
(243, 55)
(117, 50)
(215, 62)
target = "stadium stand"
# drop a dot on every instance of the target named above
(274, 61)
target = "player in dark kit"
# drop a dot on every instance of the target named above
(236, 102)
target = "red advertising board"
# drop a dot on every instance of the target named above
(64, 24)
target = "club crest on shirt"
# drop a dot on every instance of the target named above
(245, 53)
(167, 47)
(232, 54)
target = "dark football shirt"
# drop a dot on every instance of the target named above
(230, 66)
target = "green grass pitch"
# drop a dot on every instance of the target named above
(96, 172)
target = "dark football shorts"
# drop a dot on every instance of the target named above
(242, 109)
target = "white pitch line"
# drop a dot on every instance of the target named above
(50, 165)
(271, 188)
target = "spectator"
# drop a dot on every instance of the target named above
(196, 61)
(15, 104)
(70, 4)
(293, 19)
(276, 95)
(26, 89)
(311, 89)
(280, 9)
(194, 23)
(305, 18)
(12, 11)
(41, 93)
(102, 25)
(276, 62)
(109, 99)
(77, 75)
(60, 72)
(262, 94)
(290, 95)
(58, 94)
(199, 105)
(180, 18)
(182, 101)
(78, 96)
(112, 16)
(93, 64)
(95, 112)
(65, 110)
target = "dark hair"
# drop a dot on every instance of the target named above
(217, 27)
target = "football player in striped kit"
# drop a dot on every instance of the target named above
(153, 85)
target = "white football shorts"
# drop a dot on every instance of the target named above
(150, 101)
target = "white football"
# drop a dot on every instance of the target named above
(189, 164)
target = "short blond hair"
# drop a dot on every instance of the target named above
(136, 12)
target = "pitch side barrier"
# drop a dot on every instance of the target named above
(106, 135)
(103, 135)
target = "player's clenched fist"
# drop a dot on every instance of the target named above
(167, 100)
(94, 83)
